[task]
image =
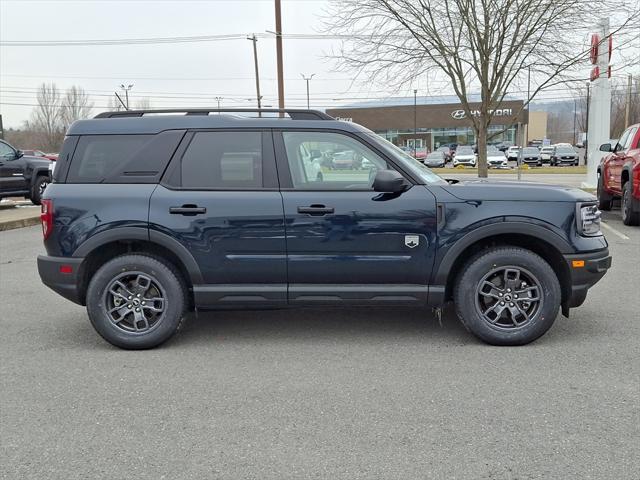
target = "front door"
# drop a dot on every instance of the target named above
(11, 170)
(220, 200)
(345, 242)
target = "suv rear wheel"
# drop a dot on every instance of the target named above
(136, 301)
(507, 296)
(604, 199)
(629, 217)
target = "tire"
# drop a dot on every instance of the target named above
(139, 274)
(38, 187)
(319, 177)
(494, 265)
(629, 217)
(604, 199)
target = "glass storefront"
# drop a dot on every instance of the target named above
(445, 136)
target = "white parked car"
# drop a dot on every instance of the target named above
(546, 153)
(464, 156)
(496, 158)
(512, 153)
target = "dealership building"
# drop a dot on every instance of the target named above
(434, 121)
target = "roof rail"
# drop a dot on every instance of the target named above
(294, 114)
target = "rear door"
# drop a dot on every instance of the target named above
(220, 199)
(345, 242)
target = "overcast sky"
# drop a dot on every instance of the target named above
(171, 75)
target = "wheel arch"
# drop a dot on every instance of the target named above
(104, 246)
(539, 240)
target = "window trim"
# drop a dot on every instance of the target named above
(172, 178)
(284, 170)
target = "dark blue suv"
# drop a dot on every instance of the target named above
(153, 214)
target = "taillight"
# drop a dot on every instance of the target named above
(46, 217)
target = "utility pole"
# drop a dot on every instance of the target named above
(279, 55)
(307, 80)
(526, 139)
(415, 121)
(575, 112)
(628, 105)
(126, 94)
(254, 39)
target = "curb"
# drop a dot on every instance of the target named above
(19, 223)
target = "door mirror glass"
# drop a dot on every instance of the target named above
(390, 181)
(605, 147)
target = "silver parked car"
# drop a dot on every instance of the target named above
(435, 159)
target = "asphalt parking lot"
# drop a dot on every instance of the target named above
(385, 393)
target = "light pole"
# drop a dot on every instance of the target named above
(218, 99)
(307, 80)
(126, 93)
(415, 121)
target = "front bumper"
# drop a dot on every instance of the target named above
(66, 284)
(585, 270)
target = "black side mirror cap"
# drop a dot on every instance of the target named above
(390, 181)
(605, 147)
(19, 153)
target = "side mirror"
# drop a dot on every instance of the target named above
(19, 154)
(605, 147)
(390, 181)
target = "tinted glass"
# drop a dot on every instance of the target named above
(224, 160)
(6, 152)
(99, 156)
(565, 150)
(629, 139)
(330, 161)
(464, 151)
(532, 151)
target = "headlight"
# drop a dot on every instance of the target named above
(588, 220)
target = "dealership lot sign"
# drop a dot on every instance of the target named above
(500, 112)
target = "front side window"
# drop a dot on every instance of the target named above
(223, 160)
(631, 133)
(6, 152)
(330, 161)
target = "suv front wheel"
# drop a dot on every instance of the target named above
(136, 301)
(507, 296)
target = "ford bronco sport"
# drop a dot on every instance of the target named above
(150, 216)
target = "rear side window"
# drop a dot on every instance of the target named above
(122, 158)
(223, 160)
(97, 156)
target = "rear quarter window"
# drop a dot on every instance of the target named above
(122, 158)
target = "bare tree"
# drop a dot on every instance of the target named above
(75, 106)
(46, 118)
(476, 45)
(143, 104)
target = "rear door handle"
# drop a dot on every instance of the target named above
(187, 210)
(316, 210)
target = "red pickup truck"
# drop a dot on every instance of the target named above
(619, 175)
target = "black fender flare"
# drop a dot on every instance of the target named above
(443, 270)
(627, 167)
(39, 171)
(123, 234)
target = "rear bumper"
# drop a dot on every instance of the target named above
(65, 284)
(586, 276)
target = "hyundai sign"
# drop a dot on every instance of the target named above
(499, 112)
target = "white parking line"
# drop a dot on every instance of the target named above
(614, 231)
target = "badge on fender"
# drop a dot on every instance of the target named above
(411, 241)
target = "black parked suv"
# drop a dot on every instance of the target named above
(150, 216)
(23, 175)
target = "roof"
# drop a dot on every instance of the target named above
(125, 123)
(409, 101)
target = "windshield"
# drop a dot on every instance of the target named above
(530, 150)
(493, 152)
(406, 161)
(464, 151)
(443, 149)
(436, 155)
(565, 150)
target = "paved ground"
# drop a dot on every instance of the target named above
(334, 394)
(18, 214)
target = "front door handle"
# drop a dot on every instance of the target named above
(316, 210)
(187, 209)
